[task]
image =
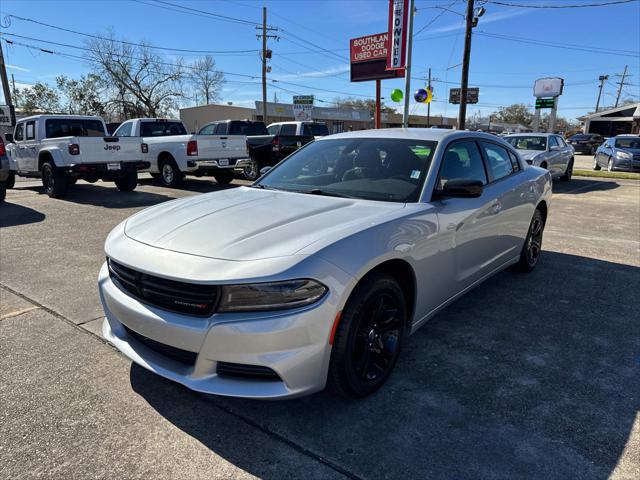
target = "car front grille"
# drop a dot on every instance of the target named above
(183, 356)
(239, 370)
(181, 297)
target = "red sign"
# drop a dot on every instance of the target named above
(369, 47)
(398, 24)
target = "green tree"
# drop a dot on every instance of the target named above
(39, 98)
(361, 104)
(516, 113)
(82, 96)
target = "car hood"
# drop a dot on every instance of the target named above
(529, 154)
(250, 224)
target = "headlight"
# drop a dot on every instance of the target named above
(270, 296)
(625, 155)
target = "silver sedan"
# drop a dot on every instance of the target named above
(545, 150)
(315, 275)
(619, 153)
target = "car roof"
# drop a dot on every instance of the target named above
(71, 117)
(429, 134)
(535, 134)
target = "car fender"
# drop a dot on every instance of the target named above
(59, 158)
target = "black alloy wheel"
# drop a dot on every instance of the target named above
(532, 248)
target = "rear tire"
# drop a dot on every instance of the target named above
(369, 337)
(252, 171)
(532, 247)
(568, 172)
(11, 181)
(54, 181)
(127, 182)
(170, 174)
(223, 177)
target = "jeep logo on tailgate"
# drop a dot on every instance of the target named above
(112, 147)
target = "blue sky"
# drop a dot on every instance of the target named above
(503, 69)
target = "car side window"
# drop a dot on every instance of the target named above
(221, 129)
(514, 161)
(207, 129)
(462, 160)
(273, 129)
(560, 141)
(306, 131)
(288, 129)
(124, 130)
(19, 135)
(552, 142)
(30, 131)
(500, 164)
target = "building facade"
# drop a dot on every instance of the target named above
(614, 121)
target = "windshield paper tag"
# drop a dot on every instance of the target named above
(415, 174)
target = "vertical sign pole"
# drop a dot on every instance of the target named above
(429, 104)
(264, 65)
(464, 83)
(407, 71)
(377, 114)
(552, 116)
(536, 120)
(5, 88)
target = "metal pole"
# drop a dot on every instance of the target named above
(264, 65)
(602, 79)
(464, 83)
(552, 116)
(536, 120)
(621, 82)
(5, 88)
(429, 104)
(377, 115)
(407, 71)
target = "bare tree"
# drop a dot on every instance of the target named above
(137, 81)
(206, 80)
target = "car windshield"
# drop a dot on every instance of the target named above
(74, 127)
(528, 143)
(391, 170)
(628, 142)
(247, 128)
(161, 129)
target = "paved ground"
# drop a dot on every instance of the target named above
(528, 376)
(583, 162)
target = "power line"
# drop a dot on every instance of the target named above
(445, 10)
(7, 24)
(579, 5)
(212, 15)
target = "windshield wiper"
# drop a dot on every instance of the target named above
(318, 191)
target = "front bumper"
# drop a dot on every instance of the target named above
(293, 343)
(626, 165)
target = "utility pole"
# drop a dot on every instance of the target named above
(407, 71)
(13, 83)
(429, 104)
(5, 88)
(602, 78)
(464, 83)
(621, 83)
(266, 54)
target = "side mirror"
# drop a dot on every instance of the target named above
(264, 170)
(8, 137)
(460, 187)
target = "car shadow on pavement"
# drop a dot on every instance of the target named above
(107, 197)
(584, 185)
(12, 214)
(198, 185)
(527, 376)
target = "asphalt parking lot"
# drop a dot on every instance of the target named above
(527, 376)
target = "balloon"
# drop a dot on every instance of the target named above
(396, 95)
(421, 95)
(429, 95)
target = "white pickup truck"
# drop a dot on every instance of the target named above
(173, 153)
(61, 149)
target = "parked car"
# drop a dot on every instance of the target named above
(545, 150)
(4, 170)
(619, 153)
(586, 143)
(315, 275)
(173, 153)
(259, 142)
(61, 149)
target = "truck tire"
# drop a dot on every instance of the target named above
(252, 171)
(127, 182)
(223, 177)
(3, 191)
(11, 181)
(54, 181)
(170, 174)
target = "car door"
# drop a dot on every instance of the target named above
(30, 153)
(554, 157)
(18, 151)
(468, 225)
(566, 152)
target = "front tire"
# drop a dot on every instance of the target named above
(127, 182)
(223, 177)
(369, 337)
(54, 181)
(568, 172)
(610, 165)
(532, 247)
(596, 165)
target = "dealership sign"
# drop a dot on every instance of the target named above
(472, 95)
(5, 116)
(398, 17)
(548, 87)
(302, 107)
(369, 58)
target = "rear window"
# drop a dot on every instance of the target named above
(318, 129)
(71, 127)
(288, 129)
(161, 129)
(581, 137)
(247, 128)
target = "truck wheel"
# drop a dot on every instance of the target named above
(127, 182)
(170, 175)
(54, 181)
(252, 171)
(3, 191)
(11, 180)
(223, 177)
